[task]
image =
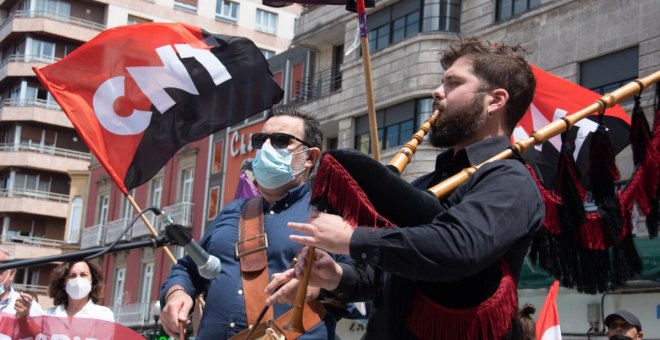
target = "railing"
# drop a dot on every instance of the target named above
(45, 149)
(140, 229)
(41, 290)
(29, 193)
(114, 229)
(35, 241)
(181, 213)
(55, 16)
(28, 58)
(134, 314)
(92, 236)
(318, 85)
(49, 104)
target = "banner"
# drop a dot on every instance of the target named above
(52, 327)
(138, 93)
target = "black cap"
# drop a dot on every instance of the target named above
(625, 315)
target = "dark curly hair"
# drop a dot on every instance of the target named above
(57, 287)
(497, 66)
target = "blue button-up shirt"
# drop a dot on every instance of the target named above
(224, 313)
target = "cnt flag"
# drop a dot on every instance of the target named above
(547, 326)
(554, 98)
(138, 93)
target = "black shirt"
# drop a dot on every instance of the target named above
(454, 259)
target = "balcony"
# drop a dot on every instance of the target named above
(37, 202)
(56, 24)
(43, 157)
(92, 236)
(20, 65)
(37, 110)
(133, 314)
(115, 228)
(31, 247)
(140, 228)
(318, 85)
(181, 213)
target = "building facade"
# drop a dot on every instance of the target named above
(54, 196)
(599, 44)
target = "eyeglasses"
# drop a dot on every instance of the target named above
(278, 140)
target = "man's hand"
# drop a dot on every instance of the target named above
(326, 231)
(22, 305)
(175, 313)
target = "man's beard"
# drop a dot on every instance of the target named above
(458, 124)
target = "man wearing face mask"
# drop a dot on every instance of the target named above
(11, 301)
(287, 150)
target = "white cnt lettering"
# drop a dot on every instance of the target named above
(152, 81)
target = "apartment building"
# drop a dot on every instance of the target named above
(54, 196)
(599, 44)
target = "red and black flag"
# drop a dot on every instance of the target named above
(138, 93)
(554, 98)
(351, 5)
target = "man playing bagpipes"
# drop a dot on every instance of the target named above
(250, 238)
(454, 275)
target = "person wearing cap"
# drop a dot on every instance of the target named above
(623, 323)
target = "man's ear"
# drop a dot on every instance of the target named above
(313, 155)
(497, 99)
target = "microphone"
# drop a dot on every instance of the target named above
(208, 265)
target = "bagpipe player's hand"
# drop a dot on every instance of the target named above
(326, 231)
(325, 273)
(175, 313)
(281, 286)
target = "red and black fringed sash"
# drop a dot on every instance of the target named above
(593, 251)
(491, 319)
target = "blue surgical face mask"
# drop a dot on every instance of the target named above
(2, 285)
(272, 167)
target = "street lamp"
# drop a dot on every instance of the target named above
(156, 312)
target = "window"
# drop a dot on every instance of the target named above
(337, 61)
(217, 156)
(266, 21)
(608, 72)
(104, 203)
(267, 53)
(38, 50)
(423, 111)
(442, 15)
(395, 127)
(296, 81)
(147, 281)
(227, 10)
(132, 20)
(120, 279)
(393, 24)
(214, 199)
(127, 208)
(186, 185)
(75, 220)
(156, 195)
(186, 5)
(52, 7)
(507, 9)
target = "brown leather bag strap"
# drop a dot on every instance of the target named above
(313, 313)
(251, 252)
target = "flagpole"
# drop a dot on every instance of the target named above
(153, 231)
(368, 80)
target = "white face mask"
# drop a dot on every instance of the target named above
(78, 288)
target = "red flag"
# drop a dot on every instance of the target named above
(138, 93)
(547, 326)
(555, 97)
